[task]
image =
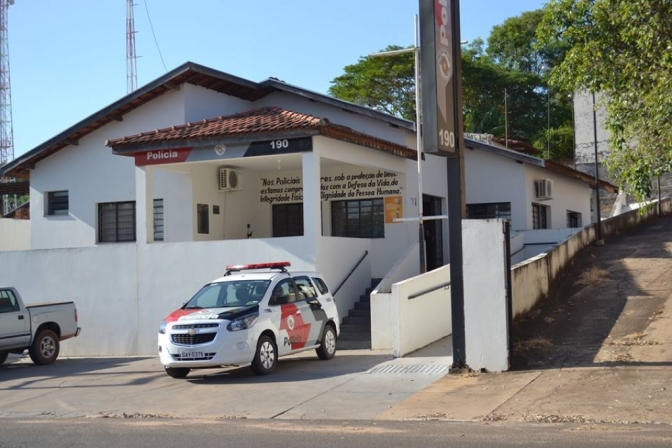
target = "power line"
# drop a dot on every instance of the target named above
(151, 26)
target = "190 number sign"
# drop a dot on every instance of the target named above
(280, 144)
(447, 138)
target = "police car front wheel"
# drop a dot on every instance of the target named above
(266, 357)
(177, 372)
(327, 348)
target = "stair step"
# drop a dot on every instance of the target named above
(356, 328)
(360, 313)
(355, 337)
(375, 282)
(365, 299)
(353, 345)
(363, 306)
(366, 321)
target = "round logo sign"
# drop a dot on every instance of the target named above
(220, 149)
(445, 65)
(290, 322)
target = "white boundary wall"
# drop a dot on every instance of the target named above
(14, 234)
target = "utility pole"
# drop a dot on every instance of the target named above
(6, 130)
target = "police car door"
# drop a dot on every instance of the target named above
(312, 312)
(291, 331)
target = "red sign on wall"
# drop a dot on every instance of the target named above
(162, 156)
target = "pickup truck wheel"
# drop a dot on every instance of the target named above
(266, 357)
(3, 357)
(45, 348)
(177, 372)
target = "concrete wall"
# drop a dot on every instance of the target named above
(485, 306)
(14, 234)
(532, 279)
(584, 128)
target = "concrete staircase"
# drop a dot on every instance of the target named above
(356, 327)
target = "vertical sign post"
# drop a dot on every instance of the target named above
(441, 64)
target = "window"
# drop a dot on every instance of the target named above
(306, 288)
(8, 302)
(202, 218)
(229, 294)
(287, 220)
(321, 285)
(539, 216)
(358, 219)
(57, 203)
(116, 222)
(283, 293)
(158, 219)
(215, 209)
(489, 211)
(573, 219)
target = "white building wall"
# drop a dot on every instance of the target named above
(357, 122)
(202, 103)
(92, 174)
(492, 178)
(14, 234)
(568, 194)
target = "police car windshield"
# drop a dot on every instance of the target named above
(227, 294)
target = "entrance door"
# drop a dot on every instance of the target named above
(431, 206)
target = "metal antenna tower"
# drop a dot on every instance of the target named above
(131, 57)
(6, 130)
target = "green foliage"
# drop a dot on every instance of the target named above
(622, 49)
(383, 83)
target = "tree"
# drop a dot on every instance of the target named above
(620, 48)
(384, 83)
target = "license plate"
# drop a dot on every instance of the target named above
(191, 354)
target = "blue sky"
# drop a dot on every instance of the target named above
(68, 59)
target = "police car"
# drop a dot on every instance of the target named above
(252, 315)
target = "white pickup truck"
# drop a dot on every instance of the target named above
(38, 328)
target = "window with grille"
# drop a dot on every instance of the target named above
(203, 218)
(539, 216)
(116, 222)
(573, 219)
(489, 211)
(57, 203)
(287, 220)
(158, 219)
(358, 219)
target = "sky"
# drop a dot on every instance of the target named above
(68, 59)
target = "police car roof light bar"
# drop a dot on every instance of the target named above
(275, 265)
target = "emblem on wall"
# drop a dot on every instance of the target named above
(220, 149)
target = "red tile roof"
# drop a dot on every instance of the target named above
(266, 120)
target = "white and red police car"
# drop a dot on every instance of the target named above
(251, 315)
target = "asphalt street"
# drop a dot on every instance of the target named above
(177, 433)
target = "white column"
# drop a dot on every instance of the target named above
(312, 214)
(144, 205)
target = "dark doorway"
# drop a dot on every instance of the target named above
(431, 206)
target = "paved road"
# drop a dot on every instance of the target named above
(172, 433)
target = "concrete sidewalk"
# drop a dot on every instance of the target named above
(608, 344)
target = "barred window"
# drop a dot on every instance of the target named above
(539, 216)
(203, 218)
(57, 203)
(358, 219)
(158, 219)
(116, 222)
(573, 219)
(287, 220)
(489, 211)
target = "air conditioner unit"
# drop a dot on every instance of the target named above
(543, 189)
(229, 180)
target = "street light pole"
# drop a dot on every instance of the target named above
(599, 240)
(548, 135)
(416, 55)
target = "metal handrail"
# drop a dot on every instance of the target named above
(352, 271)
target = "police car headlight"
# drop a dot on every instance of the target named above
(162, 327)
(243, 323)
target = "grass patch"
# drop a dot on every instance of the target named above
(592, 276)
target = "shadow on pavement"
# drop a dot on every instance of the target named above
(601, 305)
(292, 370)
(24, 374)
